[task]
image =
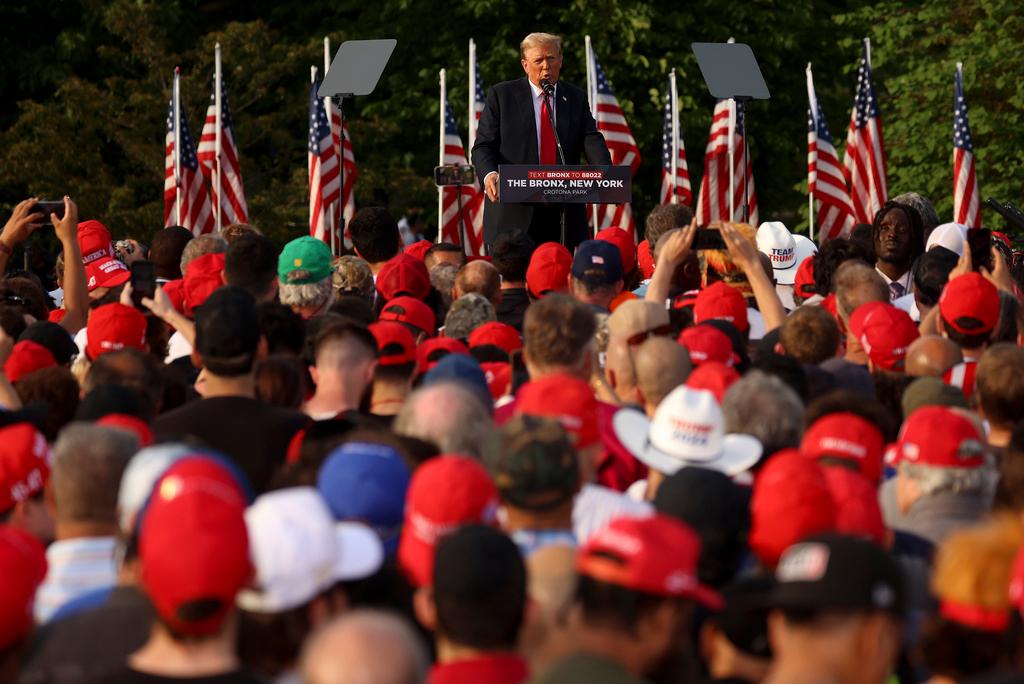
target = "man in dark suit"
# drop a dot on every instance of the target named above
(515, 129)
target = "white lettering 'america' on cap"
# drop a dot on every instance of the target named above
(803, 563)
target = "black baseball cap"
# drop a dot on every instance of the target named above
(54, 338)
(227, 325)
(838, 572)
(597, 262)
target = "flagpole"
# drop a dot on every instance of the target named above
(732, 162)
(673, 93)
(592, 100)
(219, 125)
(813, 106)
(440, 158)
(867, 50)
(471, 121)
(332, 215)
(177, 145)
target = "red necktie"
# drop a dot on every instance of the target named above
(548, 151)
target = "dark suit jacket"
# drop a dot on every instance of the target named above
(507, 134)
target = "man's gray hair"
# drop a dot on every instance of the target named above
(307, 295)
(88, 461)
(762, 406)
(210, 243)
(539, 40)
(977, 481)
(442, 278)
(450, 416)
(924, 207)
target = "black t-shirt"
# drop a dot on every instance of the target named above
(127, 675)
(512, 307)
(253, 434)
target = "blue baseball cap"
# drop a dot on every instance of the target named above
(366, 482)
(462, 369)
(597, 262)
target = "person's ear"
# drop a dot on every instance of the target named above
(706, 640)
(779, 350)
(314, 374)
(425, 608)
(262, 348)
(197, 359)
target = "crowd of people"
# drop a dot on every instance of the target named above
(771, 462)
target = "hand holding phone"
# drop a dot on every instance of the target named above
(143, 280)
(980, 241)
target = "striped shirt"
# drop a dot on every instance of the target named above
(76, 567)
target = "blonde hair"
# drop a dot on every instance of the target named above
(974, 565)
(539, 40)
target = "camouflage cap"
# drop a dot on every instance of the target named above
(534, 465)
(352, 276)
(466, 314)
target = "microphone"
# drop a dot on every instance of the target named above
(548, 87)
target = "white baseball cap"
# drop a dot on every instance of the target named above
(299, 551)
(688, 429)
(139, 477)
(775, 241)
(952, 236)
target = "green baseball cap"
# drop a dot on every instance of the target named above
(534, 465)
(304, 260)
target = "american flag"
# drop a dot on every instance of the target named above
(966, 204)
(864, 157)
(234, 210)
(478, 108)
(713, 202)
(196, 210)
(681, 186)
(621, 144)
(472, 198)
(825, 181)
(324, 180)
(350, 170)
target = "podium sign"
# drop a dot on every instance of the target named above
(585, 184)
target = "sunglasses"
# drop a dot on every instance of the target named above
(641, 337)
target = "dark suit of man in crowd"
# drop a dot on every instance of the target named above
(512, 131)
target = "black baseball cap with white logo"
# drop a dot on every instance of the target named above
(833, 571)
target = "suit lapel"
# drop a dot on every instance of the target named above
(530, 127)
(562, 116)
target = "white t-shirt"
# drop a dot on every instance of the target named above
(596, 506)
(177, 347)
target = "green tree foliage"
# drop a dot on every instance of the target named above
(88, 84)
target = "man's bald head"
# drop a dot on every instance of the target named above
(932, 355)
(480, 277)
(618, 368)
(365, 646)
(662, 364)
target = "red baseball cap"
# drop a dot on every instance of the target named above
(644, 259)
(970, 304)
(24, 464)
(203, 275)
(499, 377)
(175, 291)
(395, 345)
(445, 493)
(410, 311)
(791, 500)
(803, 281)
(23, 567)
(403, 275)
(848, 436)
(569, 400)
(940, 437)
(718, 300)
(193, 544)
(707, 343)
(1016, 591)
(500, 335)
(114, 326)
(548, 270)
(128, 423)
(429, 352)
(101, 268)
(419, 249)
(713, 376)
(654, 555)
(27, 357)
(856, 499)
(884, 332)
(625, 243)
